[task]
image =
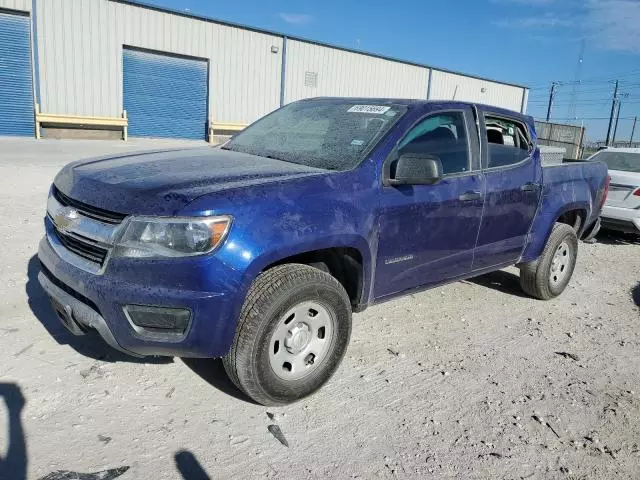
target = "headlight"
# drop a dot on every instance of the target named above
(145, 237)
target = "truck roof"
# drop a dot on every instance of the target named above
(414, 102)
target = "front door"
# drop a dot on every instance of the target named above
(513, 175)
(427, 233)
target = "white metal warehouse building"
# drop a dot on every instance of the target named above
(84, 63)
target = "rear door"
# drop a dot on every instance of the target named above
(514, 179)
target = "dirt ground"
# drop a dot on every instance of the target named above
(472, 380)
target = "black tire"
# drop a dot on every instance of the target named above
(270, 296)
(536, 277)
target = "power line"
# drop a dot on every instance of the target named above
(586, 101)
(594, 89)
(628, 87)
(616, 75)
(598, 79)
(583, 103)
(592, 118)
(589, 106)
(608, 89)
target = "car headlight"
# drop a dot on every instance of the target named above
(145, 237)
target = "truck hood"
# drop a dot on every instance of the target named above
(162, 182)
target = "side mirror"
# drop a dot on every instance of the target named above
(417, 169)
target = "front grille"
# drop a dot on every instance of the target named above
(105, 216)
(83, 247)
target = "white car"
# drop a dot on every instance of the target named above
(622, 209)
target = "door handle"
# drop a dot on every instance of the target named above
(530, 187)
(470, 196)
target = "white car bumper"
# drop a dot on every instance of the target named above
(624, 219)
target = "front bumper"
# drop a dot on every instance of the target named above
(207, 287)
(76, 315)
(622, 219)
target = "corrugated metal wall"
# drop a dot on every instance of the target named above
(445, 85)
(21, 5)
(80, 58)
(569, 137)
(80, 46)
(340, 73)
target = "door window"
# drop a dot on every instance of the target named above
(444, 136)
(507, 142)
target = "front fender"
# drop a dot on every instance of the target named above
(275, 255)
(277, 220)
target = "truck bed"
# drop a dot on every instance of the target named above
(567, 186)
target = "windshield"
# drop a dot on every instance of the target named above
(331, 136)
(625, 161)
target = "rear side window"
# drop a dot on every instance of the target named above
(507, 140)
(444, 136)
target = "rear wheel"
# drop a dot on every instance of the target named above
(291, 336)
(547, 277)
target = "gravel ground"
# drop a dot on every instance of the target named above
(462, 381)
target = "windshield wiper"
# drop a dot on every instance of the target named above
(273, 157)
(249, 152)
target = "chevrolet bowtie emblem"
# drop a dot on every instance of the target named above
(66, 218)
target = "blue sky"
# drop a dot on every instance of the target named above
(530, 42)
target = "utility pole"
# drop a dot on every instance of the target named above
(615, 129)
(552, 94)
(633, 131)
(613, 108)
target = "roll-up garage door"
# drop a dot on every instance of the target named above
(16, 84)
(165, 95)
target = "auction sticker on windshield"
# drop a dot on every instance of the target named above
(378, 109)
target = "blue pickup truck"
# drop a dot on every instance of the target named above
(260, 250)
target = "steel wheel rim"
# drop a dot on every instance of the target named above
(301, 340)
(560, 264)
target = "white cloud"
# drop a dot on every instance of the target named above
(296, 18)
(614, 24)
(540, 21)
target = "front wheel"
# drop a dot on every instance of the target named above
(547, 277)
(292, 334)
